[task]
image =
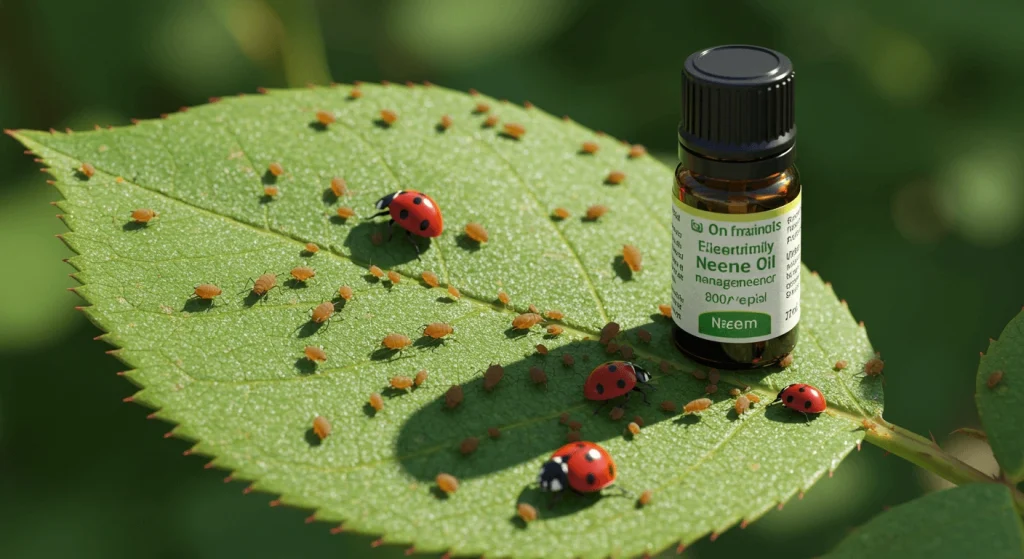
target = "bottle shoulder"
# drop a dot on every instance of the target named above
(734, 196)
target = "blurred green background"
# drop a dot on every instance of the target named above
(910, 132)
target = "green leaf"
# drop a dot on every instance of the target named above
(976, 520)
(231, 375)
(999, 393)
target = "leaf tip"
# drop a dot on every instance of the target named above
(128, 399)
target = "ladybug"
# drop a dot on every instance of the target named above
(803, 398)
(583, 467)
(613, 379)
(414, 211)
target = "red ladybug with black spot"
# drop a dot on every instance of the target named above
(413, 211)
(582, 467)
(803, 398)
(616, 378)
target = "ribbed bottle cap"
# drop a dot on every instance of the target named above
(738, 120)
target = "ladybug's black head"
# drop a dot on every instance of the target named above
(554, 475)
(641, 374)
(386, 201)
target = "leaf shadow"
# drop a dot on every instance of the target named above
(465, 242)
(195, 304)
(318, 126)
(309, 328)
(389, 254)
(622, 269)
(134, 225)
(311, 438)
(268, 178)
(549, 505)
(305, 366)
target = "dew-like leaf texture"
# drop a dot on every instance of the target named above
(1001, 405)
(976, 520)
(232, 378)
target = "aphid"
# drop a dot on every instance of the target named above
(711, 388)
(312, 248)
(698, 405)
(590, 147)
(421, 377)
(754, 398)
(742, 405)
(339, 187)
(665, 367)
(542, 349)
(554, 315)
(453, 397)
(263, 284)
(611, 348)
(631, 255)
(271, 191)
(504, 298)
(388, 117)
(527, 105)
(613, 379)
(413, 211)
(377, 238)
(526, 512)
(401, 383)
(207, 291)
(355, 94)
(454, 292)
(476, 232)
(626, 352)
(575, 425)
(491, 122)
(437, 330)
(481, 108)
(345, 292)
(608, 332)
(734, 392)
(567, 360)
(713, 376)
(699, 374)
(803, 398)
(275, 169)
(143, 215)
(396, 341)
(446, 122)
(994, 379)
(596, 211)
(376, 401)
(469, 445)
(645, 498)
(555, 330)
(302, 273)
(668, 405)
(515, 130)
(633, 428)
(560, 213)
(615, 177)
(88, 170)
(447, 483)
(841, 364)
(583, 467)
(573, 436)
(322, 312)
(638, 420)
(315, 354)
(617, 413)
(321, 427)
(533, 309)
(394, 277)
(526, 321)
(325, 117)
(564, 418)
(493, 432)
(637, 150)
(375, 271)
(786, 360)
(665, 310)
(345, 212)
(538, 376)
(874, 367)
(430, 278)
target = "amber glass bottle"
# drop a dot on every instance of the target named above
(736, 210)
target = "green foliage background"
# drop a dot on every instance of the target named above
(909, 119)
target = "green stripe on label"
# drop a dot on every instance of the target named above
(758, 216)
(734, 324)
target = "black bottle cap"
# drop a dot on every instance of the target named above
(738, 120)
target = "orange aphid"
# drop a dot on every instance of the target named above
(375, 271)
(574, 436)
(421, 377)
(638, 420)
(394, 276)
(325, 117)
(874, 367)
(526, 321)
(596, 211)
(694, 406)
(302, 273)
(275, 169)
(645, 498)
(345, 212)
(742, 405)
(396, 341)
(504, 298)
(555, 330)
(711, 388)
(345, 292)
(389, 117)
(430, 278)
(476, 232)
(263, 284)
(786, 360)
(994, 379)
(637, 151)
(401, 383)
(315, 354)
(668, 405)
(271, 191)
(355, 94)
(590, 147)
(615, 177)
(609, 331)
(754, 398)
(633, 428)
(322, 312)
(527, 105)
(207, 291)
(454, 292)
(493, 376)
(560, 213)
(514, 130)
(312, 248)
(568, 360)
(447, 483)
(469, 445)
(627, 352)
(338, 186)
(643, 335)
(143, 215)
(533, 309)
(563, 418)
(617, 413)
(481, 108)
(554, 315)
(611, 348)
(321, 427)
(665, 310)
(376, 401)
(493, 432)
(453, 397)
(841, 364)
(631, 255)
(492, 121)
(446, 122)
(542, 349)
(437, 330)
(538, 376)
(734, 392)
(526, 512)
(87, 169)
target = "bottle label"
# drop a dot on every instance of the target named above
(736, 277)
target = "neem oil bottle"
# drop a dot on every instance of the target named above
(736, 210)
